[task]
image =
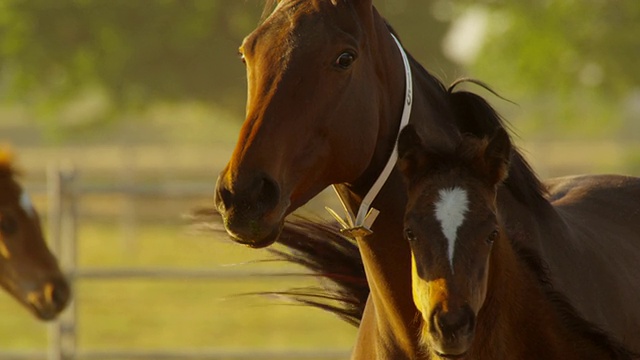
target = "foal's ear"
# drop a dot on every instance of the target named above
(497, 155)
(410, 151)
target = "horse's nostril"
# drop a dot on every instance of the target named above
(57, 293)
(269, 192)
(247, 198)
(225, 196)
(60, 295)
(453, 323)
(222, 195)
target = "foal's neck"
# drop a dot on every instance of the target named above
(523, 318)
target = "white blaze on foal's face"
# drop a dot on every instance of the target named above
(450, 209)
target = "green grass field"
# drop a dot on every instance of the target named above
(177, 314)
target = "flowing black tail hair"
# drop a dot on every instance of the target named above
(318, 246)
(331, 257)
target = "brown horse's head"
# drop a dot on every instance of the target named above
(28, 270)
(315, 76)
(451, 223)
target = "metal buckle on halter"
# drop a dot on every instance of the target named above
(356, 232)
(353, 227)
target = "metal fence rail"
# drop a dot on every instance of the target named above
(212, 354)
(63, 195)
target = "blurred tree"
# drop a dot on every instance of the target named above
(571, 64)
(567, 63)
(118, 56)
(136, 51)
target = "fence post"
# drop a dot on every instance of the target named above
(54, 210)
(62, 197)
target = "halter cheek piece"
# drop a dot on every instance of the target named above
(360, 225)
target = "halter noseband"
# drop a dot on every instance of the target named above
(360, 225)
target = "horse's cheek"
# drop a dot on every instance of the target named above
(481, 290)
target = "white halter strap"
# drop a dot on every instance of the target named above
(360, 224)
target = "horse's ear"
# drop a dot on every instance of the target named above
(6, 158)
(410, 151)
(497, 155)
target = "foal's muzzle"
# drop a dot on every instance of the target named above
(452, 331)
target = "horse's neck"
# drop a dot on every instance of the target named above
(386, 258)
(524, 225)
(520, 320)
(386, 254)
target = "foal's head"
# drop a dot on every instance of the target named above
(451, 223)
(28, 270)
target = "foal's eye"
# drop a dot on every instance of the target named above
(345, 60)
(241, 56)
(8, 225)
(408, 233)
(493, 236)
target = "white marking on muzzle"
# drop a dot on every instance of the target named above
(450, 209)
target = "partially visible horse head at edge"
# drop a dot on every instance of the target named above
(28, 269)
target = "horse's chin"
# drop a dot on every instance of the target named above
(258, 241)
(437, 351)
(448, 354)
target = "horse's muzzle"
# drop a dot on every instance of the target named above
(49, 301)
(254, 215)
(452, 332)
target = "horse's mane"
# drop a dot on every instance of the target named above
(570, 315)
(269, 6)
(475, 116)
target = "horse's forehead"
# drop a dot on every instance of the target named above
(11, 194)
(305, 20)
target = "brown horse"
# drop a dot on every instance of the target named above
(28, 270)
(480, 295)
(327, 87)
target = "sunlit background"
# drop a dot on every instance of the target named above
(143, 101)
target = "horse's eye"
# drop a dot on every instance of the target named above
(8, 225)
(241, 56)
(345, 60)
(493, 236)
(408, 233)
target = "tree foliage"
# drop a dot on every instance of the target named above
(136, 51)
(572, 64)
(560, 60)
